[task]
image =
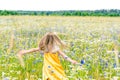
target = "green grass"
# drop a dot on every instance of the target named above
(88, 39)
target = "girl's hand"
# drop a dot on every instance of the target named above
(19, 55)
(74, 62)
(22, 52)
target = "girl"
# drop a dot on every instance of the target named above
(52, 69)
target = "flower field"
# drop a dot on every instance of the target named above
(92, 41)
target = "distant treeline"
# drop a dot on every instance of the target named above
(103, 12)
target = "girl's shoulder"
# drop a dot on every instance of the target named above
(55, 49)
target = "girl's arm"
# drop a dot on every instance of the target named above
(22, 52)
(66, 57)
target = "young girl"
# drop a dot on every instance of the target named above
(52, 69)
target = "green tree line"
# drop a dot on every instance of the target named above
(103, 12)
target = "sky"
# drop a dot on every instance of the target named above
(54, 5)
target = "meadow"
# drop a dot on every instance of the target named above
(93, 41)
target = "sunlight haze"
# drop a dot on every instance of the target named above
(52, 5)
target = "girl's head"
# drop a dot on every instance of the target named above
(49, 41)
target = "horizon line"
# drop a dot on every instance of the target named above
(58, 10)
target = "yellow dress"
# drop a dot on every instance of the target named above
(52, 68)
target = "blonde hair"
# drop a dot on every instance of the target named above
(49, 41)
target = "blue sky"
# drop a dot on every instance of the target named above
(53, 5)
